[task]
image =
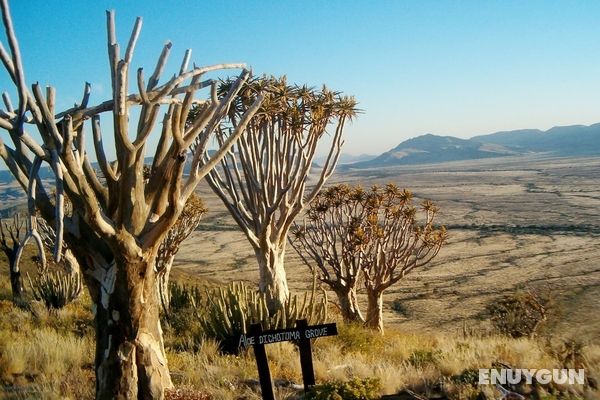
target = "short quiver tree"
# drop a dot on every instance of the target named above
(120, 216)
(377, 230)
(328, 241)
(263, 181)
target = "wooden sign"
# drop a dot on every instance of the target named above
(257, 338)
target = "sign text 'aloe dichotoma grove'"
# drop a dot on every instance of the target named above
(285, 335)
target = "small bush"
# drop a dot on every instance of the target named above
(186, 394)
(55, 288)
(356, 389)
(520, 314)
(399, 307)
(229, 312)
(468, 377)
(421, 358)
(355, 338)
(180, 321)
(183, 296)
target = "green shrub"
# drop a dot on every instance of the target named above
(519, 314)
(421, 358)
(180, 320)
(356, 389)
(399, 307)
(56, 288)
(183, 296)
(354, 337)
(468, 377)
(228, 313)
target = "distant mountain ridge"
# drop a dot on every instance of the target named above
(575, 140)
(562, 140)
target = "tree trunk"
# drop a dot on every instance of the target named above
(348, 304)
(16, 283)
(375, 310)
(163, 284)
(130, 356)
(272, 277)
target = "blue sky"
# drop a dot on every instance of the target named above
(447, 67)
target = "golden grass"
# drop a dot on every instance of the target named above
(39, 354)
(40, 358)
(50, 355)
(399, 360)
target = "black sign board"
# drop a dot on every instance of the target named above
(286, 335)
(302, 334)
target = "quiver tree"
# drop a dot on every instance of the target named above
(11, 236)
(190, 217)
(263, 179)
(396, 241)
(329, 240)
(120, 216)
(378, 230)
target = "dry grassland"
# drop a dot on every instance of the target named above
(515, 221)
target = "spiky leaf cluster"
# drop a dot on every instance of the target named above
(188, 220)
(56, 288)
(183, 296)
(295, 108)
(229, 312)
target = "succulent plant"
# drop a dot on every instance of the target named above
(228, 312)
(55, 288)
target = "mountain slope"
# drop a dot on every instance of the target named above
(575, 140)
(431, 148)
(561, 140)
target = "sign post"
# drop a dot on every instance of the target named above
(302, 334)
(264, 374)
(308, 372)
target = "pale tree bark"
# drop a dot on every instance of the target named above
(119, 216)
(375, 310)
(263, 179)
(272, 275)
(349, 306)
(164, 275)
(130, 356)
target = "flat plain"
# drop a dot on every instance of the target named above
(514, 222)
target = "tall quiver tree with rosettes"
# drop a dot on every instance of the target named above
(120, 216)
(264, 180)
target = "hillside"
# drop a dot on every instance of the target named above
(560, 140)
(575, 140)
(431, 148)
